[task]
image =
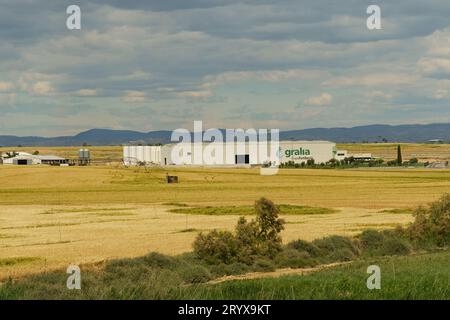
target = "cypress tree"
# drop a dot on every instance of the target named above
(399, 155)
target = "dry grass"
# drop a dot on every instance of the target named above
(63, 215)
(285, 209)
(74, 237)
(388, 151)
(383, 188)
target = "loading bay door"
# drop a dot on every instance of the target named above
(242, 159)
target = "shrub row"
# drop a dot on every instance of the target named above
(246, 247)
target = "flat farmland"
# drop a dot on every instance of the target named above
(388, 151)
(53, 216)
(376, 188)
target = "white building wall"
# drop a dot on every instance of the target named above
(302, 151)
(31, 159)
(8, 161)
(132, 155)
(15, 160)
(341, 155)
(214, 153)
(225, 153)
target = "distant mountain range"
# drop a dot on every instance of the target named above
(370, 133)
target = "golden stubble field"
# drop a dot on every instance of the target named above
(53, 216)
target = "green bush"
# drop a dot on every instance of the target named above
(223, 269)
(263, 264)
(432, 224)
(134, 269)
(302, 245)
(385, 243)
(371, 239)
(394, 246)
(216, 247)
(292, 258)
(392, 163)
(194, 273)
(341, 254)
(158, 260)
(337, 248)
(155, 284)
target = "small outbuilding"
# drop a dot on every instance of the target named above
(24, 158)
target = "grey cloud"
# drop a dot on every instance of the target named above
(169, 50)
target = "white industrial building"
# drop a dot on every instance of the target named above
(24, 158)
(231, 154)
(343, 154)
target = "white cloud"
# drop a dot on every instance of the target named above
(196, 94)
(434, 65)
(439, 43)
(372, 79)
(136, 75)
(39, 84)
(264, 75)
(8, 98)
(441, 94)
(378, 94)
(6, 86)
(265, 55)
(86, 93)
(322, 100)
(133, 96)
(42, 88)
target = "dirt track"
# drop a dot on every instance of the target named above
(276, 273)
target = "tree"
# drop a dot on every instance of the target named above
(251, 239)
(267, 218)
(247, 240)
(399, 155)
(333, 162)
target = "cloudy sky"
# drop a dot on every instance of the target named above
(161, 64)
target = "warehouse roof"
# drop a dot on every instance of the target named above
(48, 157)
(25, 155)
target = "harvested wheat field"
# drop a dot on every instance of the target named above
(53, 216)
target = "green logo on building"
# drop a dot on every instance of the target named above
(297, 152)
